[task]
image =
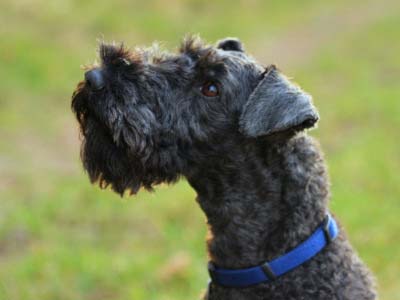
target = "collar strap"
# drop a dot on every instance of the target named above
(269, 271)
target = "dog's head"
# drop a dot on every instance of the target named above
(144, 113)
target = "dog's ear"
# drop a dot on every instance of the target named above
(230, 44)
(276, 105)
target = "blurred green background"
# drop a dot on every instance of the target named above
(61, 238)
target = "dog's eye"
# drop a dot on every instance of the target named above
(210, 89)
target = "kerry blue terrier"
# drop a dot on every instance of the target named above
(236, 131)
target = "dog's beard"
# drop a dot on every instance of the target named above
(107, 163)
(120, 157)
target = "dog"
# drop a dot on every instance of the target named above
(237, 131)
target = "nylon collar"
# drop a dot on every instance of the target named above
(279, 266)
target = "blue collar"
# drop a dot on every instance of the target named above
(269, 271)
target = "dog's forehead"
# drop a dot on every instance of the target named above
(238, 57)
(230, 54)
(236, 60)
(229, 58)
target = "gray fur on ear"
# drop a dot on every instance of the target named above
(277, 105)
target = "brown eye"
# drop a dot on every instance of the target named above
(209, 89)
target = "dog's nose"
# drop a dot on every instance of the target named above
(95, 79)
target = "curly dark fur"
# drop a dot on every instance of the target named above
(261, 181)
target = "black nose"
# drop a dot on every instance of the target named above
(95, 79)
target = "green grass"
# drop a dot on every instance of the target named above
(61, 238)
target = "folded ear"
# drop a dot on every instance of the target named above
(277, 105)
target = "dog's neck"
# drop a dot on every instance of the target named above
(261, 200)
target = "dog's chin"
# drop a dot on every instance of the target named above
(109, 164)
